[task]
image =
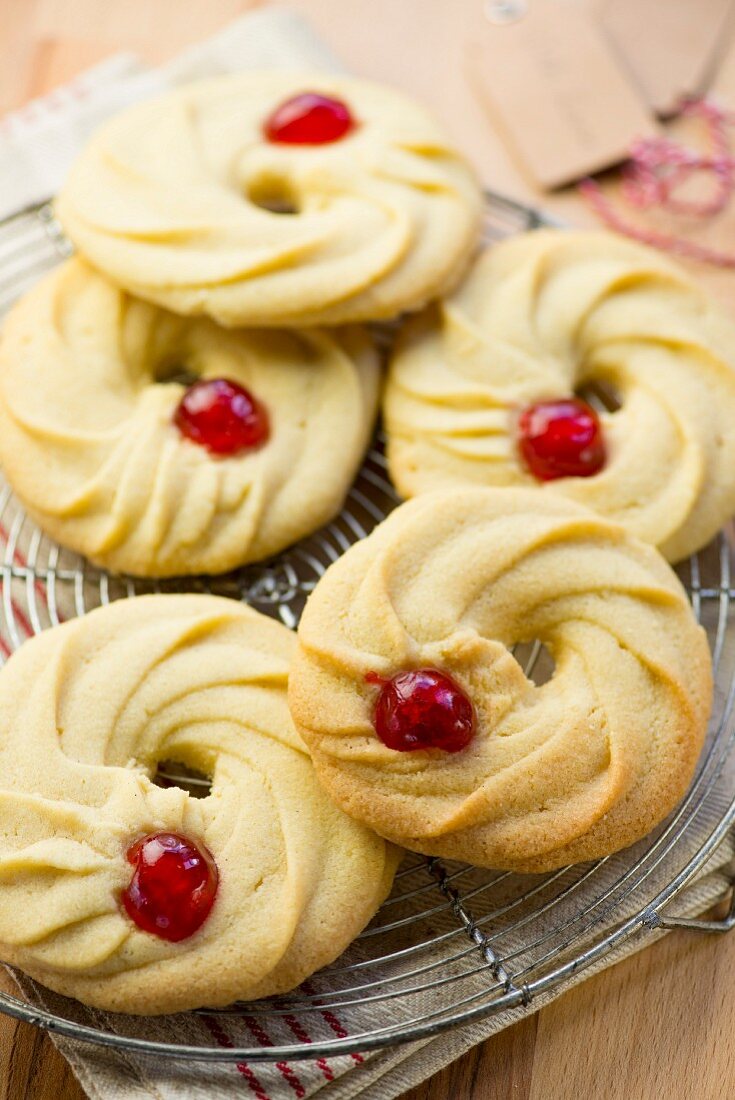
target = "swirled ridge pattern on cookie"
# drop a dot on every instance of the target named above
(87, 711)
(171, 200)
(567, 771)
(548, 313)
(88, 393)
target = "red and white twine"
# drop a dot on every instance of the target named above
(654, 175)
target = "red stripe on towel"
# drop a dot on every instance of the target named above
(222, 1039)
(303, 1036)
(17, 611)
(338, 1028)
(262, 1037)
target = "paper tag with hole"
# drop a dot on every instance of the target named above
(551, 80)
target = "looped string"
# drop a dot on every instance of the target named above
(657, 169)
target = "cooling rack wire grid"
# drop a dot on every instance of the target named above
(452, 943)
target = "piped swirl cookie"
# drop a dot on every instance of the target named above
(118, 459)
(275, 198)
(421, 722)
(138, 898)
(482, 387)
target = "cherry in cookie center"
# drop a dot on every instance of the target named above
(422, 709)
(309, 118)
(222, 416)
(173, 887)
(561, 438)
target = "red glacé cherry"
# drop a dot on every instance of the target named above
(222, 416)
(423, 709)
(308, 119)
(561, 438)
(173, 886)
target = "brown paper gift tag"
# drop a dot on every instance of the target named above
(671, 47)
(554, 84)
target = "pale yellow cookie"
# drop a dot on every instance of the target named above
(546, 314)
(87, 711)
(171, 200)
(88, 439)
(568, 771)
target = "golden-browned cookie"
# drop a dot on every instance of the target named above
(138, 898)
(92, 441)
(181, 200)
(421, 722)
(479, 387)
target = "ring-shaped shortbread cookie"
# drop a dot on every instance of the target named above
(172, 200)
(87, 711)
(88, 394)
(567, 771)
(549, 313)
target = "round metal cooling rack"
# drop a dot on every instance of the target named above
(452, 943)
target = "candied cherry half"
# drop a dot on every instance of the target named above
(222, 416)
(561, 438)
(308, 119)
(423, 709)
(173, 887)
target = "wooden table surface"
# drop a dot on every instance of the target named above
(661, 1023)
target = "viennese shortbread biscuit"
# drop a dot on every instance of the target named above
(181, 201)
(139, 898)
(421, 722)
(93, 441)
(481, 390)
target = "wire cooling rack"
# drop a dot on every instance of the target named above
(453, 943)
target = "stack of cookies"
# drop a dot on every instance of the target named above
(195, 390)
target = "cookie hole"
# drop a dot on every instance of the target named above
(171, 773)
(177, 373)
(601, 395)
(274, 194)
(535, 660)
